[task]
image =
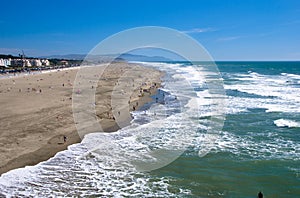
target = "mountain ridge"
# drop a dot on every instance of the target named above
(127, 57)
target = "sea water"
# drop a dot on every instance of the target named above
(257, 149)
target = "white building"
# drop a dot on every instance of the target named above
(36, 62)
(24, 62)
(39, 62)
(45, 62)
(5, 62)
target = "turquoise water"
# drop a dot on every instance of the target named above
(258, 148)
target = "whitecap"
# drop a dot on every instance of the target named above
(286, 123)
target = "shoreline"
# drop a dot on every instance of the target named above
(31, 137)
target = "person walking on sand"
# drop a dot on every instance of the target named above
(65, 139)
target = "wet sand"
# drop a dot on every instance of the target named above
(36, 110)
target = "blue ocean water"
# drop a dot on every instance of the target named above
(257, 149)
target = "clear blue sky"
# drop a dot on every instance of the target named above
(228, 29)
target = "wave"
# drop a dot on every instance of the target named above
(275, 93)
(286, 123)
(294, 76)
(258, 148)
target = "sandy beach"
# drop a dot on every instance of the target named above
(36, 110)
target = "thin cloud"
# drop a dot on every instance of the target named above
(15, 50)
(10, 50)
(198, 30)
(231, 38)
(294, 22)
(58, 34)
(265, 34)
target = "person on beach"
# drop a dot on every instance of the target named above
(260, 195)
(65, 138)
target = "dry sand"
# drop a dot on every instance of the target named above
(36, 110)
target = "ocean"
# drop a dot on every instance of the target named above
(187, 143)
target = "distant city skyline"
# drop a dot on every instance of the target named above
(228, 29)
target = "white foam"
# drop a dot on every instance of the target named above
(294, 76)
(274, 147)
(281, 95)
(286, 123)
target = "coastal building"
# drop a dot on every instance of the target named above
(24, 62)
(5, 62)
(64, 62)
(17, 63)
(45, 62)
(36, 62)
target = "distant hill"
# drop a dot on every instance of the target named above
(68, 56)
(134, 57)
(8, 56)
(127, 57)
